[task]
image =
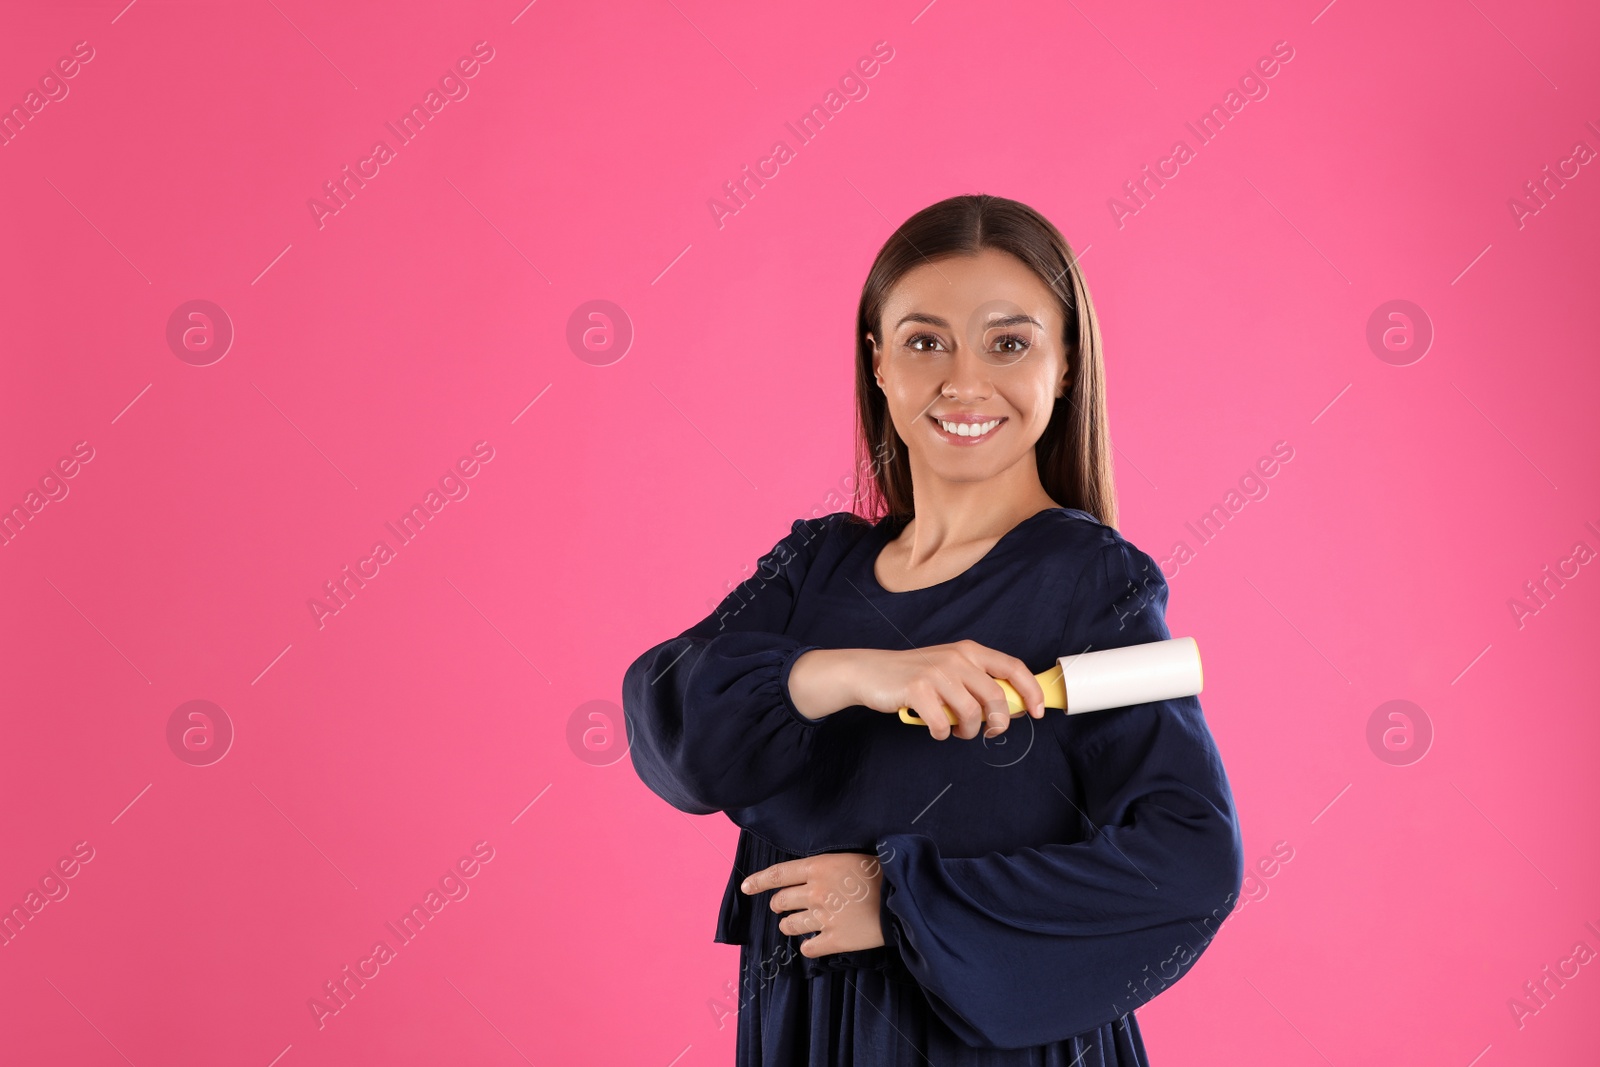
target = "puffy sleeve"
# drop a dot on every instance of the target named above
(1033, 946)
(710, 722)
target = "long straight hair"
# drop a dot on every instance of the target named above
(1074, 452)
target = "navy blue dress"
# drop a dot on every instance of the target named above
(1037, 886)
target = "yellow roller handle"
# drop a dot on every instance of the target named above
(1055, 696)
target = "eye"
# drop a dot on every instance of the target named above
(913, 341)
(1012, 347)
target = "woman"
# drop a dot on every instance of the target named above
(910, 894)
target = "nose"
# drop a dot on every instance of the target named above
(969, 376)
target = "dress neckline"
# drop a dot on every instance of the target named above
(879, 539)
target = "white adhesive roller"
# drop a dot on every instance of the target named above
(1133, 674)
(1110, 678)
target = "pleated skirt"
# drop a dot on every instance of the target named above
(854, 1009)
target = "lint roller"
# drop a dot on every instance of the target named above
(1110, 678)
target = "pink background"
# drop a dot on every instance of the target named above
(447, 702)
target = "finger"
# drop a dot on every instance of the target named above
(1013, 670)
(931, 711)
(800, 922)
(1026, 683)
(957, 695)
(790, 898)
(996, 709)
(821, 945)
(752, 884)
(991, 712)
(929, 706)
(779, 874)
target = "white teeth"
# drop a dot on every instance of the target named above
(968, 429)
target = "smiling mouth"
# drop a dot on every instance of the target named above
(967, 431)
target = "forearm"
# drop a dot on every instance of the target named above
(710, 724)
(821, 681)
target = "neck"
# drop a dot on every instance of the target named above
(955, 513)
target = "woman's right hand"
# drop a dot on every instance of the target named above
(960, 675)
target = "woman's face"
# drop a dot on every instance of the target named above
(974, 341)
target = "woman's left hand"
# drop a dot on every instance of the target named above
(836, 893)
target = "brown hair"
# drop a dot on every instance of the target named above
(1074, 452)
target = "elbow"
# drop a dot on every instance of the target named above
(1217, 874)
(1214, 856)
(1227, 850)
(1232, 864)
(1205, 860)
(695, 792)
(665, 765)
(1221, 894)
(678, 789)
(712, 789)
(655, 745)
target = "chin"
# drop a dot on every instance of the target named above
(971, 471)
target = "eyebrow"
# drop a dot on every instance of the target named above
(934, 320)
